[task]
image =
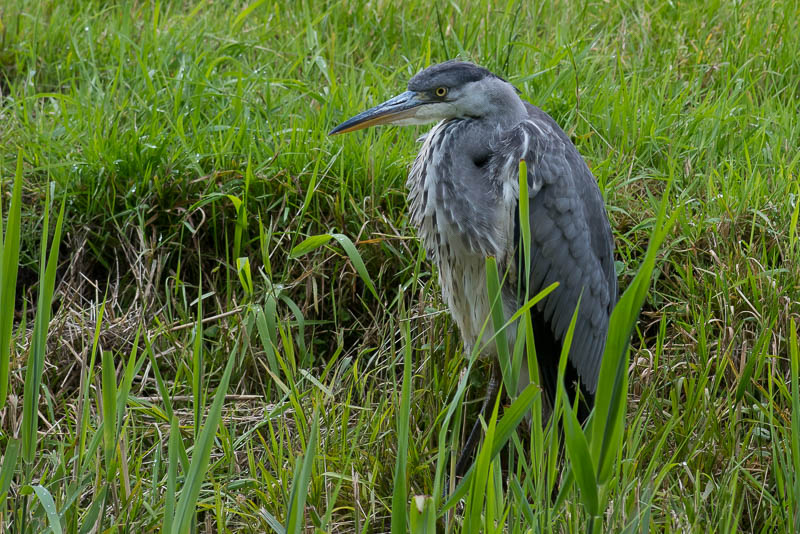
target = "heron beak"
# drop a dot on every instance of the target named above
(395, 110)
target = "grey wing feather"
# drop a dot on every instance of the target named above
(571, 238)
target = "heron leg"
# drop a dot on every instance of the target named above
(465, 458)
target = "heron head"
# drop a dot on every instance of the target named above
(449, 90)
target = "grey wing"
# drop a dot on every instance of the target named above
(571, 243)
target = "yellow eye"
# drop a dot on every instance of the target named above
(441, 91)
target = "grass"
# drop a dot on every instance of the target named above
(237, 296)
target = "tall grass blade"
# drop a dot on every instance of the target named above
(201, 454)
(33, 373)
(452, 406)
(171, 494)
(503, 432)
(9, 262)
(89, 520)
(197, 362)
(794, 354)
(268, 331)
(87, 377)
(49, 506)
(297, 499)
(7, 469)
(163, 391)
(109, 381)
(131, 370)
(580, 459)
(498, 322)
(574, 437)
(399, 493)
(480, 475)
(606, 426)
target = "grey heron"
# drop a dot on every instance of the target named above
(463, 198)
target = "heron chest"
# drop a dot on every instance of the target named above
(461, 219)
(463, 283)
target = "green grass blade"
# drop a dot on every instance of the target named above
(171, 494)
(7, 469)
(9, 262)
(452, 406)
(794, 222)
(49, 506)
(310, 244)
(86, 379)
(245, 275)
(524, 309)
(201, 454)
(606, 427)
(160, 384)
(580, 458)
(498, 322)
(33, 373)
(266, 324)
(91, 448)
(89, 520)
(130, 371)
(197, 363)
(355, 259)
(244, 13)
(273, 523)
(164, 393)
(316, 241)
(298, 315)
(506, 427)
(399, 493)
(297, 499)
(109, 381)
(513, 416)
(480, 475)
(422, 515)
(794, 354)
(311, 188)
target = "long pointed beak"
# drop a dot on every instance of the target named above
(394, 110)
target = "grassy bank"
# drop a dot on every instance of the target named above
(187, 145)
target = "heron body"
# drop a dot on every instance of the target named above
(464, 202)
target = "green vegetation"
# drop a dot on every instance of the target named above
(245, 336)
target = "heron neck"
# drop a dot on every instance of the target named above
(496, 104)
